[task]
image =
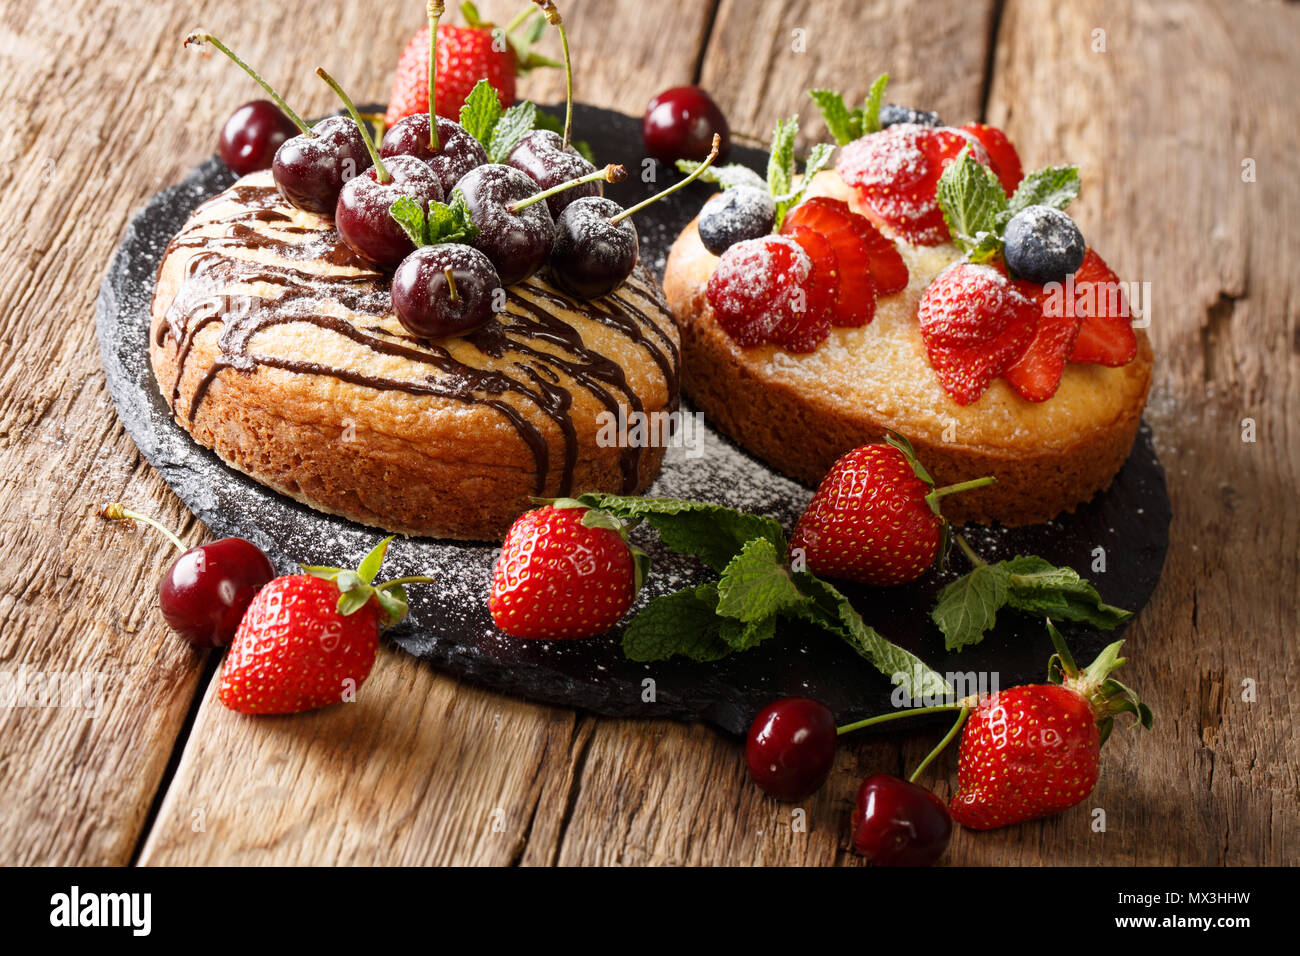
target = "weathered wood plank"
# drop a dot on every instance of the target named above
(764, 57)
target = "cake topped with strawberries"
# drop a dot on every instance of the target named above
(915, 279)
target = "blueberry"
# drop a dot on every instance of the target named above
(734, 215)
(1043, 244)
(891, 114)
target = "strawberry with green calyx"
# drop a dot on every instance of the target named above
(565, 571)
(1034, 750)
(780, 182)
(309, 640)
(968, 607)
(465, 54)
(875, 518)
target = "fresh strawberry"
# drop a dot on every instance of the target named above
(1037, 373)
(875, 517)
(975, 324)
(1106, 335)
(1003, 158)
(859, 245)
(1034, 750)
(309, 640)
(897, 171)
(852, 299)
(465, 55)
(565, 571)
(826, 300)
(762, 285)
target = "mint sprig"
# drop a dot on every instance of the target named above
(755, 592)
(441, 222)
(846, 125)
(968, 608)
(481, 112)
(500, 130)
(781, 169)
(976, 207)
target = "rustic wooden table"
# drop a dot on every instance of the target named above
(1181, 115)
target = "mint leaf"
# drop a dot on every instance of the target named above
(870, 122)
(971, 199)
(514, 124)
(742, 636)
(968, 607)
(831, 610)
(450, 222)
(683, 623)
(481, 112)
(817, 160)
(729, 176)
(780, 164)
(756, 584)
(843, 125)
(713, 533)
(408, 214)
(1055, 186)
(1035, 586)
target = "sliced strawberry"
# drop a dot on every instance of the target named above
(1037, 374)
(1106, 335)
(761, 285)
(897, 170)
(1003, 158)
(975, 324)
(888, 271)
(823, 294)
(854, 302)
(966, 371)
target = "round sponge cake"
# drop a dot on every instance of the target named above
(277, 348)
(801, 412)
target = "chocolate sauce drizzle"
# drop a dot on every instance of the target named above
(541, 343)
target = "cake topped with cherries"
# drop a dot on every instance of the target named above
(916, 281)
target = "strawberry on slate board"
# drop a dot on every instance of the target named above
(1034, 750)
(476, 51)
(309, 640)
(875, 517)
(565, 571)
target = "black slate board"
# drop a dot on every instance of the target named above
(450, 626)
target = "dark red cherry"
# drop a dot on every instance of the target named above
(204, 594)
(363, 216)
(680, 124)
(310, 170)
(251, 136)
(791, 747)
(458, 151)
(897, 823)
(442, 290)
(543, 158)
(517, 243)
(592, 256)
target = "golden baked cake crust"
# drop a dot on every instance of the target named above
(800, 413)
(278, 349)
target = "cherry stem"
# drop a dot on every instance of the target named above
(939, 748)
(895, 715)
(452, 295)
(435, 10)
(613, 173)
(553, 18)
(967, 550)
(201, 38)
(119, 512)
(361, 125)
(713, 154)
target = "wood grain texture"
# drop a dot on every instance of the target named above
(764, 57)
(424, 769)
